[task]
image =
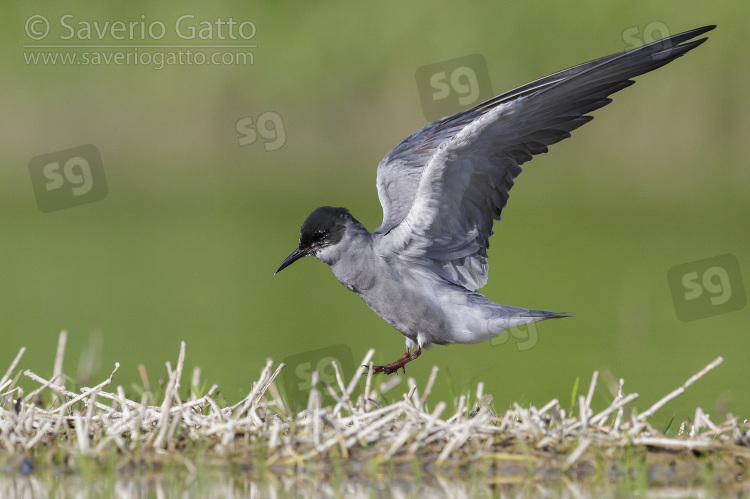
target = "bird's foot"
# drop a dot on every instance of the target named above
(399, 364)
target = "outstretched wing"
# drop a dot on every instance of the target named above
(443, 187)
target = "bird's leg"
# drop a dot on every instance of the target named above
(399, 364)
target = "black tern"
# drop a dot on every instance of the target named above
(441, 190)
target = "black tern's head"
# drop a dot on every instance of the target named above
(324, 228)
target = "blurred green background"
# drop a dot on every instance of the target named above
(185, 243)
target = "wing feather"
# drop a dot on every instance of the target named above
(443, 187)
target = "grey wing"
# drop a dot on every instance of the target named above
(400, 171)
(441, 212)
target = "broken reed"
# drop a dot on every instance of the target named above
(262, 432)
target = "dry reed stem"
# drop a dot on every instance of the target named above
(404, 429)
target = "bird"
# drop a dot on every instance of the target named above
(441, 190)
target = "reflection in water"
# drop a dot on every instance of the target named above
(221, 484)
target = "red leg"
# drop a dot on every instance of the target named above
(399, 364)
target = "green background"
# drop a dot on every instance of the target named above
(185, 243)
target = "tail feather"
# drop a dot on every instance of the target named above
(541, 315)
(509, 317)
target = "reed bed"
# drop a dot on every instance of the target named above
(358, 435)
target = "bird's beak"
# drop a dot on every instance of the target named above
(296, 255)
